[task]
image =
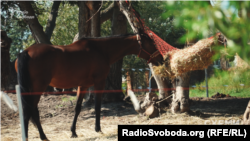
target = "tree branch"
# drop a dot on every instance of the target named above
(51, 23)
(31, 19)
(104, 16)
(107, 13)
(83, 27)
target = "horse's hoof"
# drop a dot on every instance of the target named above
(46, 140)
(100, 132)
(74, 136)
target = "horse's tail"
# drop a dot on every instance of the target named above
(23, 75)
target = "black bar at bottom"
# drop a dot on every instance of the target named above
(183, 131)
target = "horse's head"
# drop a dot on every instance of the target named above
(5, 40)
(221, 39)
(148, 51)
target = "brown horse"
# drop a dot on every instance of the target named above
(83, 63)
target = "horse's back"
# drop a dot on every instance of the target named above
(66, 66)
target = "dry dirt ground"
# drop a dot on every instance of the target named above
(56, 114)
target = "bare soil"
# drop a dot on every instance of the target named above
(57, 112)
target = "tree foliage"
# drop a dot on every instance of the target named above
(13, 25)
(202, 20)
(66, 25)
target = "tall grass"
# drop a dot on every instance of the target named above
(225, 82)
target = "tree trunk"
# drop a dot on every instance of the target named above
(51, 23)
(95, 17)
(162, 83)
(151, 104)
(4, 59)
(35, 26)
(180, 102)
(84, 15)
(164, 86)
(84, 31)
(114, 80)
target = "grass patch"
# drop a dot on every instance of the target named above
(124, 87)
(232, 83)
(198, 93)
(66, 99)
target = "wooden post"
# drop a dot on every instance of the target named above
(20, 107)
(150, 73)
(129, 85)
(206, 82)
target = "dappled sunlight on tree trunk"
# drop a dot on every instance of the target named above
(180, 102)
(118, 26)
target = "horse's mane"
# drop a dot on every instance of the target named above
(121, 35)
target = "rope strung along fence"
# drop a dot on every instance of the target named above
(135, 90)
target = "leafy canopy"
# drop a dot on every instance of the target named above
(203, 20)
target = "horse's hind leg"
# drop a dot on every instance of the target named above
(36, 119)
(38, 86)
(30, 111)
(77, 110)
(99, 87)
(27, 109)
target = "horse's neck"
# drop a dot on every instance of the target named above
(121, 48)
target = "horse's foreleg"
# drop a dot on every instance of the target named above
(77, 110)
(98, 99)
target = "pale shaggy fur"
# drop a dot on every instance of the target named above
(196, 57)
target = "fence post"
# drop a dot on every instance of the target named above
(150, 73)
(20, 108)
(206, 82)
